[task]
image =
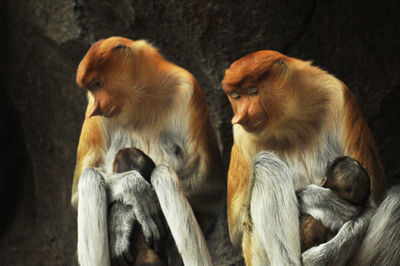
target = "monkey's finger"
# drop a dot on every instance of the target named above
(155, 239)
(148, 236)
(161, 225)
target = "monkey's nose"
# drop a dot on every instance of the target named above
(239, 118)
(95, 109)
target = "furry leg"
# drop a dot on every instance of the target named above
(274, 212)
(381, 245)
(185, 230)
(92, 220)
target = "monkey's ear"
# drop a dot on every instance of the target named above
(280, 65)
(120, 46)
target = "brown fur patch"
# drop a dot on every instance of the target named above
(312, 232)
(91, 141)
(361, 146)
(238, 191)
(203, 142)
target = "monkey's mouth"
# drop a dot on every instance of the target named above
(256, 125)
(111, 111)
(106, 111)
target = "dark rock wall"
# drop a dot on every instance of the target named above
(42, 108)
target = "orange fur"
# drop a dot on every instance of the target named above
(361, 146)
(90, 149)
(238, 191)
(203, 142)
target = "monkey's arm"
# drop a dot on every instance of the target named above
(185, 230)
(274, 212)
(121, 223)
(325, 205)
(204, 165)
(370, 239)
(335, 213)
(360, 145)
(238, 191)
(92, 219)
(90, 152)
(343, 246)
(134, 191)
(89, 196)
(381, 245)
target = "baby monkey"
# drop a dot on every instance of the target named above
(134, 159)
(349, 180)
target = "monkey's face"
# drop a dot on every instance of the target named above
(247, 108)
(105, 103)
(101, 72)
(252, 86)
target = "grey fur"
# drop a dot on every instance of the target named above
(370, 238)
(121, 220)
(92, 220)
(133, 190)
(381, 245)
(326, 206)
(339, 249)
(184, 228)
(273, 200)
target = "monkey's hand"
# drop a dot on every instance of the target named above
(342, 247)
(339, 249)
(133, 190)
(319, 255)
(325, 206)
(121, 221)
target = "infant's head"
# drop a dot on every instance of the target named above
(133, 159)
(348, 179)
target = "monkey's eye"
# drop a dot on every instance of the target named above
(235, 95)
(252, 91)
(95, 84)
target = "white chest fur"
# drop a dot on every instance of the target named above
(168, 146)
(309, 165)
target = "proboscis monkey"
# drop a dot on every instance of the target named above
(139, 99)
(291, 120)
(348, 179)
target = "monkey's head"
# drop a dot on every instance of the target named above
(253, 86)
(100, 72)
(117, 75)
(349, 180)
(283, 103)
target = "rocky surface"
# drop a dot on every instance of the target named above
(42, 108)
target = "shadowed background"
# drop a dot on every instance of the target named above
(42, 108)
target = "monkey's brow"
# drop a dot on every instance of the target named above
(228, 89)
(236, 83)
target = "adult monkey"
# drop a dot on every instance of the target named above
(139, 99)
(290, 121)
